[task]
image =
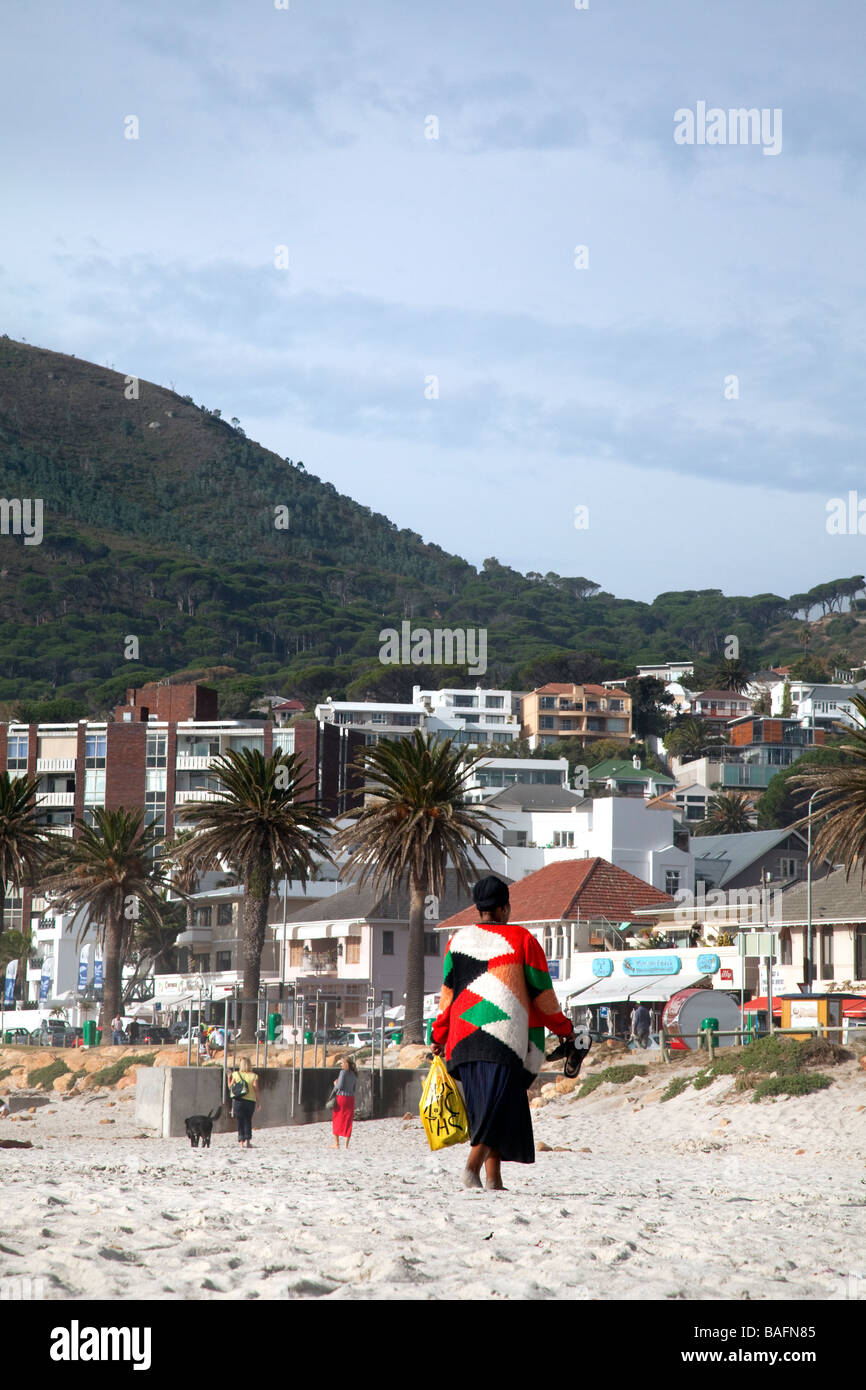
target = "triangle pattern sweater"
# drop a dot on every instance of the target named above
(497, 999)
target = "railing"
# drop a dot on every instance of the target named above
(55, 764)
(198, 795)
(194, 762)
(55, 798)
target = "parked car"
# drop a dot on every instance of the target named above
(355, 1041)
(18, 1037)
(153, 1035)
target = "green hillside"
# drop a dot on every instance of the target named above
(160, 523)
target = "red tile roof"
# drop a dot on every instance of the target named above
(574, 887)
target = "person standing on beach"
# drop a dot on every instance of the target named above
(640, 1025)
(245, 1104)
(496, 1002)
(344, 1101)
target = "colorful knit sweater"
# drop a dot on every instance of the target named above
(496, 999)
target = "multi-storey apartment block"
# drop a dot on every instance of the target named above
(590, 712)
(157, 755)
(470, 717)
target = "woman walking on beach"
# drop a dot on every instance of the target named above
(496, 1002)
(344, 1101)
(245, 1101)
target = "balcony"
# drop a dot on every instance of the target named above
(198, 795)
(55, 798)
(195, 762)
(55, 764)
(65, 830)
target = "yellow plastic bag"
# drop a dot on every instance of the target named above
(443, 1113)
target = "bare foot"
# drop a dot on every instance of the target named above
(471, 1178)
(496, 1186)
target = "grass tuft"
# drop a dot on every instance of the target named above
(110, 1075)
(618, 1075)
(703, 1078)
(675, 1087)
(46, 1076)
(799, 1084)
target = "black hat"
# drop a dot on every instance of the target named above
(490, 893)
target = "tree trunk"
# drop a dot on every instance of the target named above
(3, 907)
(111, 974)
(257, 891)
(413, 1024)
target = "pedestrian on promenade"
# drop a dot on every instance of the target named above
(496, 1002)
(245, 1102)
(344, 1101)
(640, 1025)
(117, 1031)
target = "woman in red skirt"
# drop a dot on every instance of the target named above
(344, 1101)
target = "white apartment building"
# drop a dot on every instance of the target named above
(542, 825)
(816, 705)
(491, 775)
(477, 716)
(470, 717)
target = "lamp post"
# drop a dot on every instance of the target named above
(807, 962)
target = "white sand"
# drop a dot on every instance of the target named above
(670, 1203)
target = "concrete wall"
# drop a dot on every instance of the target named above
(165, 1096)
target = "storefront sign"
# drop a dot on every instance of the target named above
(708, 964)
(553, 969)
(602, 968)
(728, 975)
(83, 968)
(652, 965)
(804, 1013)
(11, 972)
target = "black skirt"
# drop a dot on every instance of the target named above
(497, 1104)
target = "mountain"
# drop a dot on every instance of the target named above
(164, 524)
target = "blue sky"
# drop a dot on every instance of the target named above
(410, 258)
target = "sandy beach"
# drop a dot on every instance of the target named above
(704, 1196)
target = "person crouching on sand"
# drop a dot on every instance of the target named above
(344, 1101)
(496, 975)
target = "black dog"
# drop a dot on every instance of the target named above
(200, 1126)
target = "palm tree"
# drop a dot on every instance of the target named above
(263, 827)
(840, 803)
(728, 813)
(111, 875)
(24, 845)
(414, 823)
(731, 674)
(689, 738)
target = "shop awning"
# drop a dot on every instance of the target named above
(661, 987)
(760, 1004)
(602, 992)
(854, 1008)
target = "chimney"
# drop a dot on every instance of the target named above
(635, 762)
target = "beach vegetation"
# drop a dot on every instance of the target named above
(618, 1075)
(111, 1074)
(47, 1075)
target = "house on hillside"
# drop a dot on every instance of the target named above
(627, 777)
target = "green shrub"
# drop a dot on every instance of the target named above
(110, 1075)
(4, 1072)
(618, 1075)
(800, 1084)
(46, 1076)
(703, 1078)
(675, 1087)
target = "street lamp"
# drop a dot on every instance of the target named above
(808, 956)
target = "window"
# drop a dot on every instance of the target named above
(787, 957)
(388, 998)
(94, 750)
(201, 916)
(547, 702)
(223, 960)
(296, 953)
(94, 787)
(495, 702)
(672, 881)
(377, 717)
(202, 964)
(563, 839)
(546, 722)
(789, 868)
(431, 943)
(467, 701)
(827, 954)
(860, 953)
(494, 719)
(566, 723)
(224, 916)
(154, 806)
(353, 950)
(616, 704)
(387, 943)
(617, 725)
(284, 740)
(16, 752)
(155, 750)
(254, 742)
